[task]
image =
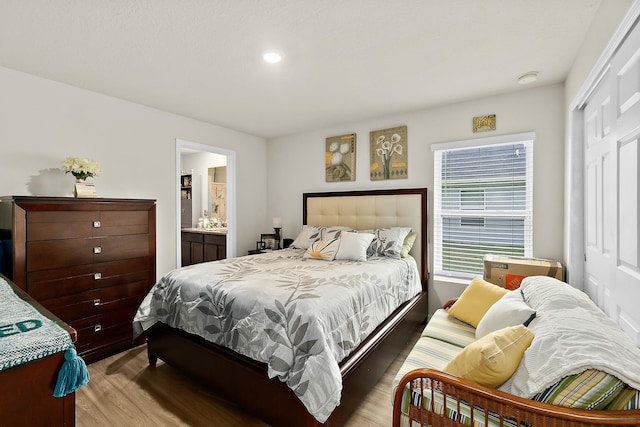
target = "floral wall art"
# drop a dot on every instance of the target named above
(340, 158)
(388, 152)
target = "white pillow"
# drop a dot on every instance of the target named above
(311, 233)
(334, 231)
(510, 310)
(387, 241)
(308, 235)
(353, 246)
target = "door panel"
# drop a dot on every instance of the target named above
(612, 192)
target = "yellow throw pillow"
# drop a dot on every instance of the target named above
(492, 360)
(408, 244)
(476, 299)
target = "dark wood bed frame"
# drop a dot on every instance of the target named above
(244, 381)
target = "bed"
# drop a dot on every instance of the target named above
(245, 380)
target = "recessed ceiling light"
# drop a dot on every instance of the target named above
(528, 77)
(272, 57)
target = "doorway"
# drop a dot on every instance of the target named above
(228, 158)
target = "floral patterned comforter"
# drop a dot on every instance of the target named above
(299, 316)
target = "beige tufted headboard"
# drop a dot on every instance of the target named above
(363, 210)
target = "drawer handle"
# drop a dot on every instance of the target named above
(97, 250)
(96, 224)
(97, 276)
(97, 328)
(96, 302)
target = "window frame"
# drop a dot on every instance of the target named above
(440, 213)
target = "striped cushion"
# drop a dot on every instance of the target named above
(448, 329)
(591, 389)
(627, 399)
(452, 410)
(427, 353)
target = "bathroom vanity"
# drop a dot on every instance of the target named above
(203, 244)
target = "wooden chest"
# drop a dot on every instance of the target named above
(89, 261)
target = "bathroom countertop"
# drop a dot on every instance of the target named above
(214, 230)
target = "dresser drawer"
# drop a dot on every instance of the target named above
(97, 301)
(104, 329)
(118, 223)
(51, 225)
(47, 284)
(48, 254)
(48, 225)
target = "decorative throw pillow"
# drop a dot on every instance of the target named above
(334, 232)
(308, 235)
(353, 246)
(491, 360)
(475, 301)
(408, 244)
(510, 310)
(323, 249)
(387, 241)
(311, 233)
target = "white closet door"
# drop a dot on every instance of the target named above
(612, 155)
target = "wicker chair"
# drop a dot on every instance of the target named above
(506, 409)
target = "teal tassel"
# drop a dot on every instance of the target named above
(73, 374)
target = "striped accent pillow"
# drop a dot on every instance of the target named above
(323, 249)
(591, 389)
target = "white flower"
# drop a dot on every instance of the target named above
(380, 139)
(336, 158)
(397, 149)
(380, 152)
(334, 146)
(345, 148)
(81, 168)
(395, 137)
(386, 145)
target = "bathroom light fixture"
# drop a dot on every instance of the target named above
(272, 57)
(528, 77)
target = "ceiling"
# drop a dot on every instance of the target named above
(344, 60)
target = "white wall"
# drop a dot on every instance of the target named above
(604, 24)
(42, 122)
(296, 163)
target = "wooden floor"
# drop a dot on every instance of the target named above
(125, 391)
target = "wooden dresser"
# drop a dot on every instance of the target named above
(89, 261)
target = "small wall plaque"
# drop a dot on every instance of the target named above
(484, 123)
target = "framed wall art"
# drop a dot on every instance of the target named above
(484, 123)
(340, 158)
(388, 153)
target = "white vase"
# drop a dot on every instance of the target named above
(82, 189)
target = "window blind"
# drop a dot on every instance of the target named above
(483, 202)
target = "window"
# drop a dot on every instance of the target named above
(483, 202)
(472, 199)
